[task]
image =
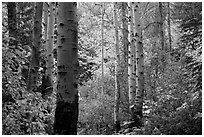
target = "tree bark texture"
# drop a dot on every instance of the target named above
(161, 34)
(12, 22)
(102, 48)
(125, 34)
(35, 55)
(66, 114)
(117, 67)
(131, 59)
(49, 48)
(137, 109)
(125, 44)
(169, 25)
(45, 26)
(45, 20)
(46, 82)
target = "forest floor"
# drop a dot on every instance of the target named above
(126, 129)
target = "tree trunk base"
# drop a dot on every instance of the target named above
(136, 116)
(117, 126)
(66, 116)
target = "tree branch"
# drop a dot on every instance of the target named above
(150, 24)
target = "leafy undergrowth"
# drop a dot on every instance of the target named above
(174, 109)
(28, 116)
(96, 117)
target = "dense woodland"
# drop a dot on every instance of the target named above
(102, 68)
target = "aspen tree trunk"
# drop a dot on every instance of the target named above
(125, 35)
(45, 83)
(161, 34)
(155, 73)
(117, 67)
(137, 109)
(125, 46)
(169, 25)
(131, 65)
(134, 49)
(12, 22)
(45, 18)
(19, 13)
(12, 29)
(55, 32)
(102, 48)
(47, 78)
(35, 55)
(66, 113)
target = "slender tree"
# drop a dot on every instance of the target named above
(102, 46)
(12, 22)
(47, 78)
(134, 53)
(161, 35)
(45, 19)
(19, 10)
(35, 55)
(66, 113)
(161, 32)
(125, 32)
(45, 81)
(137, 109)
(169, 25)
(117, 67)
(125, 44)
(131, 59)
(12, 31)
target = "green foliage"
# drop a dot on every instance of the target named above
(90, 39)
(173, 102)
(28, 116)
(96, 116)
(22, 112)
(86, 70)
(13, 61)
(96, 110)
(173, 99)
(184, 120)
(24, 20)
(173, 107)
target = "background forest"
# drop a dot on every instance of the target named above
(171, 37)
